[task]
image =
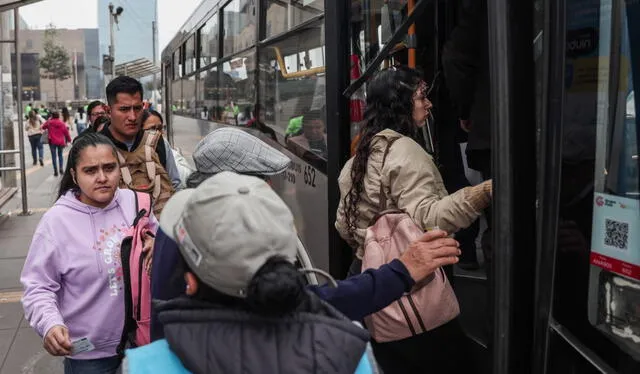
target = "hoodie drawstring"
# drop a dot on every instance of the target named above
(95, 238)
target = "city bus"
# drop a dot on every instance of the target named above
(561, 292)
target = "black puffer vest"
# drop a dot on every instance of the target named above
(210, 338)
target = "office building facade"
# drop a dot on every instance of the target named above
(84, 59)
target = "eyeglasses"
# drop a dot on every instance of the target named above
(154, 126)
(98, 114)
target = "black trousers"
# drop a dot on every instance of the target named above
(442, 350)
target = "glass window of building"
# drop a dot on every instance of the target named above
(282, 16)
(237, 85)
(189, 56)
(292, 91)
(209, 41)
(239, 26)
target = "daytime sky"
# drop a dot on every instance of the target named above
(75, 14)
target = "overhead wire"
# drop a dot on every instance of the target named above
(138, 19)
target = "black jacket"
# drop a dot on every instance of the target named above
(465, 60)
(210, 338)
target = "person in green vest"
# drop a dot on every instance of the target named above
(231, 111)
(295, 127)
(44, 112)
(27, 110)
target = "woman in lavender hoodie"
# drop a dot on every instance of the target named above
(72, 277)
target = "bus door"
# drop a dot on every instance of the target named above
(588, 276)
(413, 33)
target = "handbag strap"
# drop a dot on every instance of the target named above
(383, 196)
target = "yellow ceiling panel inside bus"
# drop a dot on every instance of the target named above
(300, 55)
(297, 74)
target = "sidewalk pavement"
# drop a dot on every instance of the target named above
(20, 347)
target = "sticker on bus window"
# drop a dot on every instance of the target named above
(615, 241)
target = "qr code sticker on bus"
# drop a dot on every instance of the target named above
(616, 234)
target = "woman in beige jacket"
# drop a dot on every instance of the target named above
(32, 127)
(397, 106)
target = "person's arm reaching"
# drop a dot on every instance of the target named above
(375, 289)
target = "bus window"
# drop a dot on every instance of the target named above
(283, 16)
(190, 55)
(209, 110)
(189, 95)
(208, 35)
(292, 85)
(373, 23)
(239, 26)
(238, 88)
(176, 96)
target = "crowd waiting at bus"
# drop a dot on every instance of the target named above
(220, 246)
(42, 126)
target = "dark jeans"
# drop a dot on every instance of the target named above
(107, 365)
(444, 349)
(56, 154)
(37, 149)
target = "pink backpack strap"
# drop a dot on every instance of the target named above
(143, 201)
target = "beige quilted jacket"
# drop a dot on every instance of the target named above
(412, 183)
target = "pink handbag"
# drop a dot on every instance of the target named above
(431, 303)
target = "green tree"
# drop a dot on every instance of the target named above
(56, 62)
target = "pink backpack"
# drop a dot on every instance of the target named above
(137, 282)
(431, 303)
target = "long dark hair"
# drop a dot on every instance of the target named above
(92, 105)
(103, 120)
(389, 106)
(33, 117)
(150, 112)
(65, 114)
(86, 139)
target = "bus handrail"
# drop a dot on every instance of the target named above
(419, 8)
(297, 74)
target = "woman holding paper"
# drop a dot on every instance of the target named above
(72, 277)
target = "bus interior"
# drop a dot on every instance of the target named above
(537, 95)
(572, 77)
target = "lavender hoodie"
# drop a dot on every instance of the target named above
(73, 273)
